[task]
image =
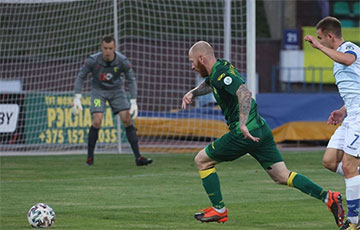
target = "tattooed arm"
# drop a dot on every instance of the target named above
(244, 99)
(202, 89)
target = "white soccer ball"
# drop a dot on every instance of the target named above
(41, 216)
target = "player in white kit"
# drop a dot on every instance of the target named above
(343, 151)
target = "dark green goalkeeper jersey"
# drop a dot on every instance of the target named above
(225, 81)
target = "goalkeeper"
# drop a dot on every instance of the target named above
(248, 133)
(106, 69)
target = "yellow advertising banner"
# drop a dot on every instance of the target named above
(61, 126)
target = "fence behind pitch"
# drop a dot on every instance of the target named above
(43, 45)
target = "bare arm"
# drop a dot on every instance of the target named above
(339, 57)
(244, 99)
(202, 89)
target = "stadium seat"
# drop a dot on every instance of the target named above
(356, 9)
(347, 23)
(341, 8)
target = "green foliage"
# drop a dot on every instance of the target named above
(116, 194)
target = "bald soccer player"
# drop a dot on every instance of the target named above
(248, 133)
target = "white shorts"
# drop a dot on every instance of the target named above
(347, 136)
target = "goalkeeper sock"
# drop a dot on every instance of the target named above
(92, 139)
(133, 140)
(305, 185)
(211, 184)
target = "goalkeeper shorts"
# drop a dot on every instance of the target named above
(117, 99)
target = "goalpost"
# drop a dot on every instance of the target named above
(44, 43)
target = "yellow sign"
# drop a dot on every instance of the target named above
(64, 127)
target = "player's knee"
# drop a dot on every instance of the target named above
(280, 179)
(279, 173)
(326, 164)
(96, 120)
(96, 124)
(127, 122)
(330, 165)
(281, 176)
(349, 169)
(198, 162)
(201, 164)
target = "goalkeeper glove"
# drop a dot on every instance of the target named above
(133, 109)
(76, 104)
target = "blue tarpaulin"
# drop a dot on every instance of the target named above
(281, 108)
(290, 116)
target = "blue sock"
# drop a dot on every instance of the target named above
(353, 206)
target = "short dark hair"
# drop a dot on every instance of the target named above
(330, 24)
(108, 39)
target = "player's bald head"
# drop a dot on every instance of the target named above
(202, 58)
(201, 48)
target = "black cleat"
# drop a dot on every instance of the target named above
(350, 226)
(143, 161)
(90, 161)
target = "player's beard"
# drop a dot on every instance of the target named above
(202, 70)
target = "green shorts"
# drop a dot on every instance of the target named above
(233, 145)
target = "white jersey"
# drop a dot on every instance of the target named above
(346, 136)
(348, 77)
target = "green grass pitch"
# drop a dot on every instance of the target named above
(116, 194)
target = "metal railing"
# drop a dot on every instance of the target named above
(302, 79)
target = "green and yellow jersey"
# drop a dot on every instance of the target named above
(225, 81)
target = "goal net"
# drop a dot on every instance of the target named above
(43, 46)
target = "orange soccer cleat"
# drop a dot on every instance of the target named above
(335, 206)
(211, 215)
